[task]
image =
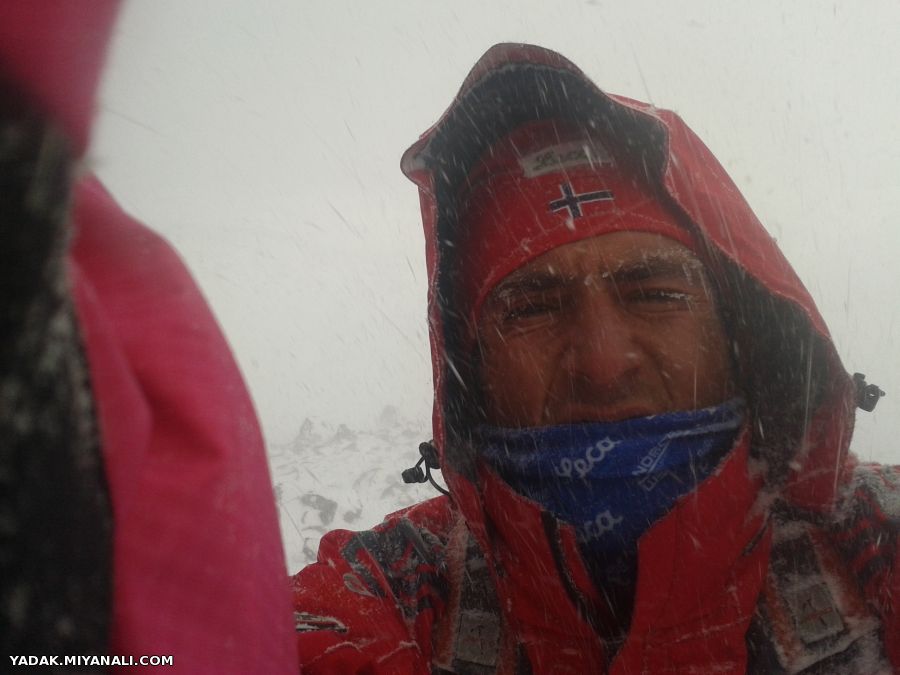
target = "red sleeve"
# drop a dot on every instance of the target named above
(869, 537)
(881, 495)
(369, 604)
(891, 616)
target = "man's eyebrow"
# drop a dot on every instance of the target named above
(651, 266)
(662, 265)
(535, 281)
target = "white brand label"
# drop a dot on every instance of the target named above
(563, 156)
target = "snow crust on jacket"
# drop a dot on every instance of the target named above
(716, 589)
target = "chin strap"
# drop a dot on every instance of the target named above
(867, 395)
(415, 474)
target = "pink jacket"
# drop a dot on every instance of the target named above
(198, 566)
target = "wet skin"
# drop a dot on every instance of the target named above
(617, 326)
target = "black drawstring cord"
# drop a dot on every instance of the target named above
(415, 474)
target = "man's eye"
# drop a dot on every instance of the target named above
(663, 297)
(532, 308)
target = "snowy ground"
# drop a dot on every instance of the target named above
(332, 477)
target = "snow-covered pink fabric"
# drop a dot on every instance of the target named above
(198, 564)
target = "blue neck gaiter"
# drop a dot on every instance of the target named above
(612, 480)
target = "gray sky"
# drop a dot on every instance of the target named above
(262, 137)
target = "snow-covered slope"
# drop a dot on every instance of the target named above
(332, 477)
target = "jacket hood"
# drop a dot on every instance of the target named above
(770, 311)
(52, 51)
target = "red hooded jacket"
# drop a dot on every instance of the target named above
(783, 561)
(197, 562)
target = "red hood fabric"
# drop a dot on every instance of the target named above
(53, 51)
(513, 84)
(198, 566)
(197, 558)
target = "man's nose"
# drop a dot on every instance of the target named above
(602, 352)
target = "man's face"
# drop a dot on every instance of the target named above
(617, 326)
